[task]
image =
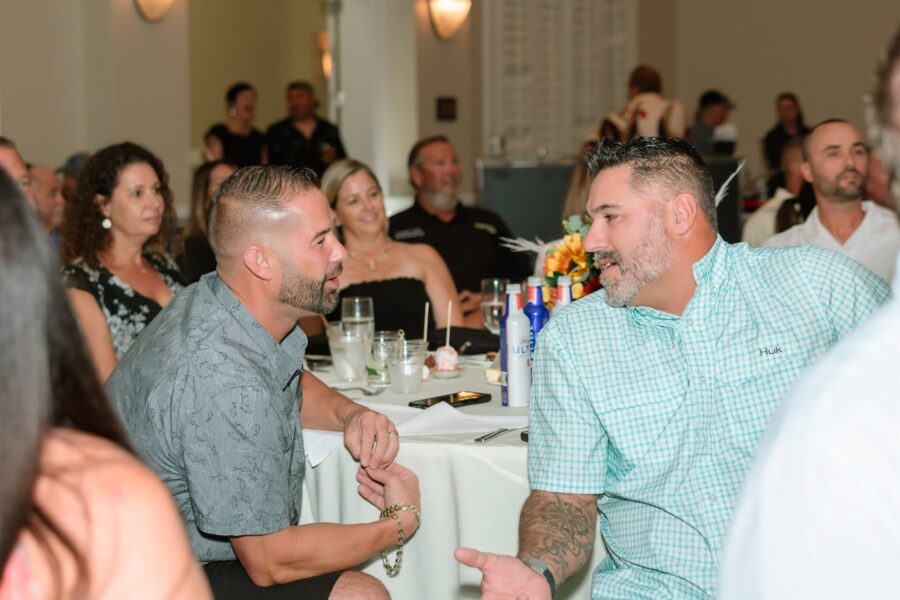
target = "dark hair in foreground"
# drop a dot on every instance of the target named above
(248, 192)
(669, 162)
(48, 378)
(82, 235)
(880, 106)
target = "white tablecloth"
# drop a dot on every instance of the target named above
(471, 496)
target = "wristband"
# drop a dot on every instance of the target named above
(540, 567)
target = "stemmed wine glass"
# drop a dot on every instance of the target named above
(493, 298)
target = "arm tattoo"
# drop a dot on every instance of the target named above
(558, 529)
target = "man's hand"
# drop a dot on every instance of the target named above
(469, 302)
(504, 577)
(371, 437)
(394, 485)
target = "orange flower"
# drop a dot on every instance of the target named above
(568, 258)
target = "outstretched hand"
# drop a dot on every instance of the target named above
(504, 577)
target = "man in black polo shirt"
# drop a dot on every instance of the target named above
(468, 238)
(303, 139)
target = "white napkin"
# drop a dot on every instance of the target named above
(435, 420)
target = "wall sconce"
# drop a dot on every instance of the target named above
(153, 10)
(448, 16)
(324, 48)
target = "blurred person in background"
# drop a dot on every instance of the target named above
(114, 248)
(790, 125)
(197, 257)
(236, 140)
(304, 139)
(80, 516)
(48, 199)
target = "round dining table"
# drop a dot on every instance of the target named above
(472, 492)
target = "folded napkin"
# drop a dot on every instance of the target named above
(435, 420)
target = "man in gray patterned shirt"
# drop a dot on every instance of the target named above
(213, 396)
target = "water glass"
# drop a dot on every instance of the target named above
(405, 361)
(493, 296)
(377, 373)
(349, 350)
(358, 312)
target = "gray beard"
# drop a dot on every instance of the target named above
(440, 200)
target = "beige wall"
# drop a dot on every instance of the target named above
(81, 74)
(823, 51)
(656, 39)
(378, 80)
(266, 43)
(451, 68)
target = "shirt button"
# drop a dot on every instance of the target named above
(703, 379)
(689, 322)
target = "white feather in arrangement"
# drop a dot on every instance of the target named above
(720, 195)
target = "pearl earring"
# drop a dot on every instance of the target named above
(106, 223)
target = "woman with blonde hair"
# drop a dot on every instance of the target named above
(115, 239)
(80, 516)
(399, 277)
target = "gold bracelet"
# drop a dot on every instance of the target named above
(391, 511)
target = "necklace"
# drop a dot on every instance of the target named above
(372, 263)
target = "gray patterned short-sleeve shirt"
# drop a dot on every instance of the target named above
(212, 403)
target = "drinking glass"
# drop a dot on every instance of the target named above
(358, 313)
(377, 373)
(405, 361)
(493, 296)
(349, 350)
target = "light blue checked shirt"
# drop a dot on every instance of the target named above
(659, 415)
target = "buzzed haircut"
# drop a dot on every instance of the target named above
(5, 142)
(249, 192)
(670, 162)
(645, 79)
(813, 130)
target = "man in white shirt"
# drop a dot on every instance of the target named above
(818, 517)
(836, 163)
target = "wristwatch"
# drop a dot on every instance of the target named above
(542, 569)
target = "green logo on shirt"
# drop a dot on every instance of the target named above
(485, 227)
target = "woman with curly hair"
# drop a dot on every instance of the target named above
(80, 516)
(114, 247)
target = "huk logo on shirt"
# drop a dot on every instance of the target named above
(485, 227)
(771, 351)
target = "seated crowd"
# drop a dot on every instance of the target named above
(680, 423)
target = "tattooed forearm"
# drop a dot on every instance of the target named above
(559, 529)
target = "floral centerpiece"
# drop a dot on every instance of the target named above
(565, 257)
(568, 257)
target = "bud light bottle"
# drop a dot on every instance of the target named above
(517, 344)
(563, 293)
(535, 310)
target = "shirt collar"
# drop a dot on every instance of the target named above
(284, 359)
(459, 214)
(710, 272)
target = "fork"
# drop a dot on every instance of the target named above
(365, 391)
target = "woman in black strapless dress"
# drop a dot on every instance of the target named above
(399, 277)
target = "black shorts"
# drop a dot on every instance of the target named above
(228, 579)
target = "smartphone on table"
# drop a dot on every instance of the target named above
(455, 400)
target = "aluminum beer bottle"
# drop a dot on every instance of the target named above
(517, 333)
(563, 293)
(535, 310)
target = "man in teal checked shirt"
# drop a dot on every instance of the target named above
(650, 395)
